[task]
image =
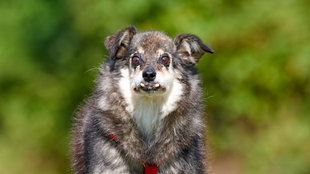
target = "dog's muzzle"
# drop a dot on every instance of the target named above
(148, 84)
(148, 87)
(149, 74)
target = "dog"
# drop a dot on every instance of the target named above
(145, 112)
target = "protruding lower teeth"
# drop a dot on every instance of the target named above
(142, 85)
(156, 85)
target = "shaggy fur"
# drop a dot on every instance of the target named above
(148, 96)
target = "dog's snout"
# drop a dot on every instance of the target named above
(149, 74)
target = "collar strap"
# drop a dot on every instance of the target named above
(148, 168)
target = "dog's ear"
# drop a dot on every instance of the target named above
(117, 44)
(190, 47)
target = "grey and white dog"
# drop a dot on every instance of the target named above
(145, 113)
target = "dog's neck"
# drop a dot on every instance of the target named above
(147, 112)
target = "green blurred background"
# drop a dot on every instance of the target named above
(257, 85)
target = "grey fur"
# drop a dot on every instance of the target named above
(175, 142)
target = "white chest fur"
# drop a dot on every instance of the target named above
(147, 113)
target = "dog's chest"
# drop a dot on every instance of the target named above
(147, 114)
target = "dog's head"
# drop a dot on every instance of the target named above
(151, 59)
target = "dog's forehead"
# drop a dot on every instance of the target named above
(152, 41)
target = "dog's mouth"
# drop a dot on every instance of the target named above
(149, 87)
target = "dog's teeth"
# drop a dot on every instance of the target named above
(142, 85)
(156, 85)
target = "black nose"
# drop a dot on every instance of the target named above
(149, 74)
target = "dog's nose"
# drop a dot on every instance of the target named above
(149, 74)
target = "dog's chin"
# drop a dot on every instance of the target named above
(150, 88)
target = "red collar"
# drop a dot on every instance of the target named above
(148, 168)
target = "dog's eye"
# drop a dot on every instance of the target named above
(165, 59)
(135, 60)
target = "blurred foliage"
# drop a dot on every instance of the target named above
(257, 85)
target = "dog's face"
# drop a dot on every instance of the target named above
(152, 58)
(151, 63)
